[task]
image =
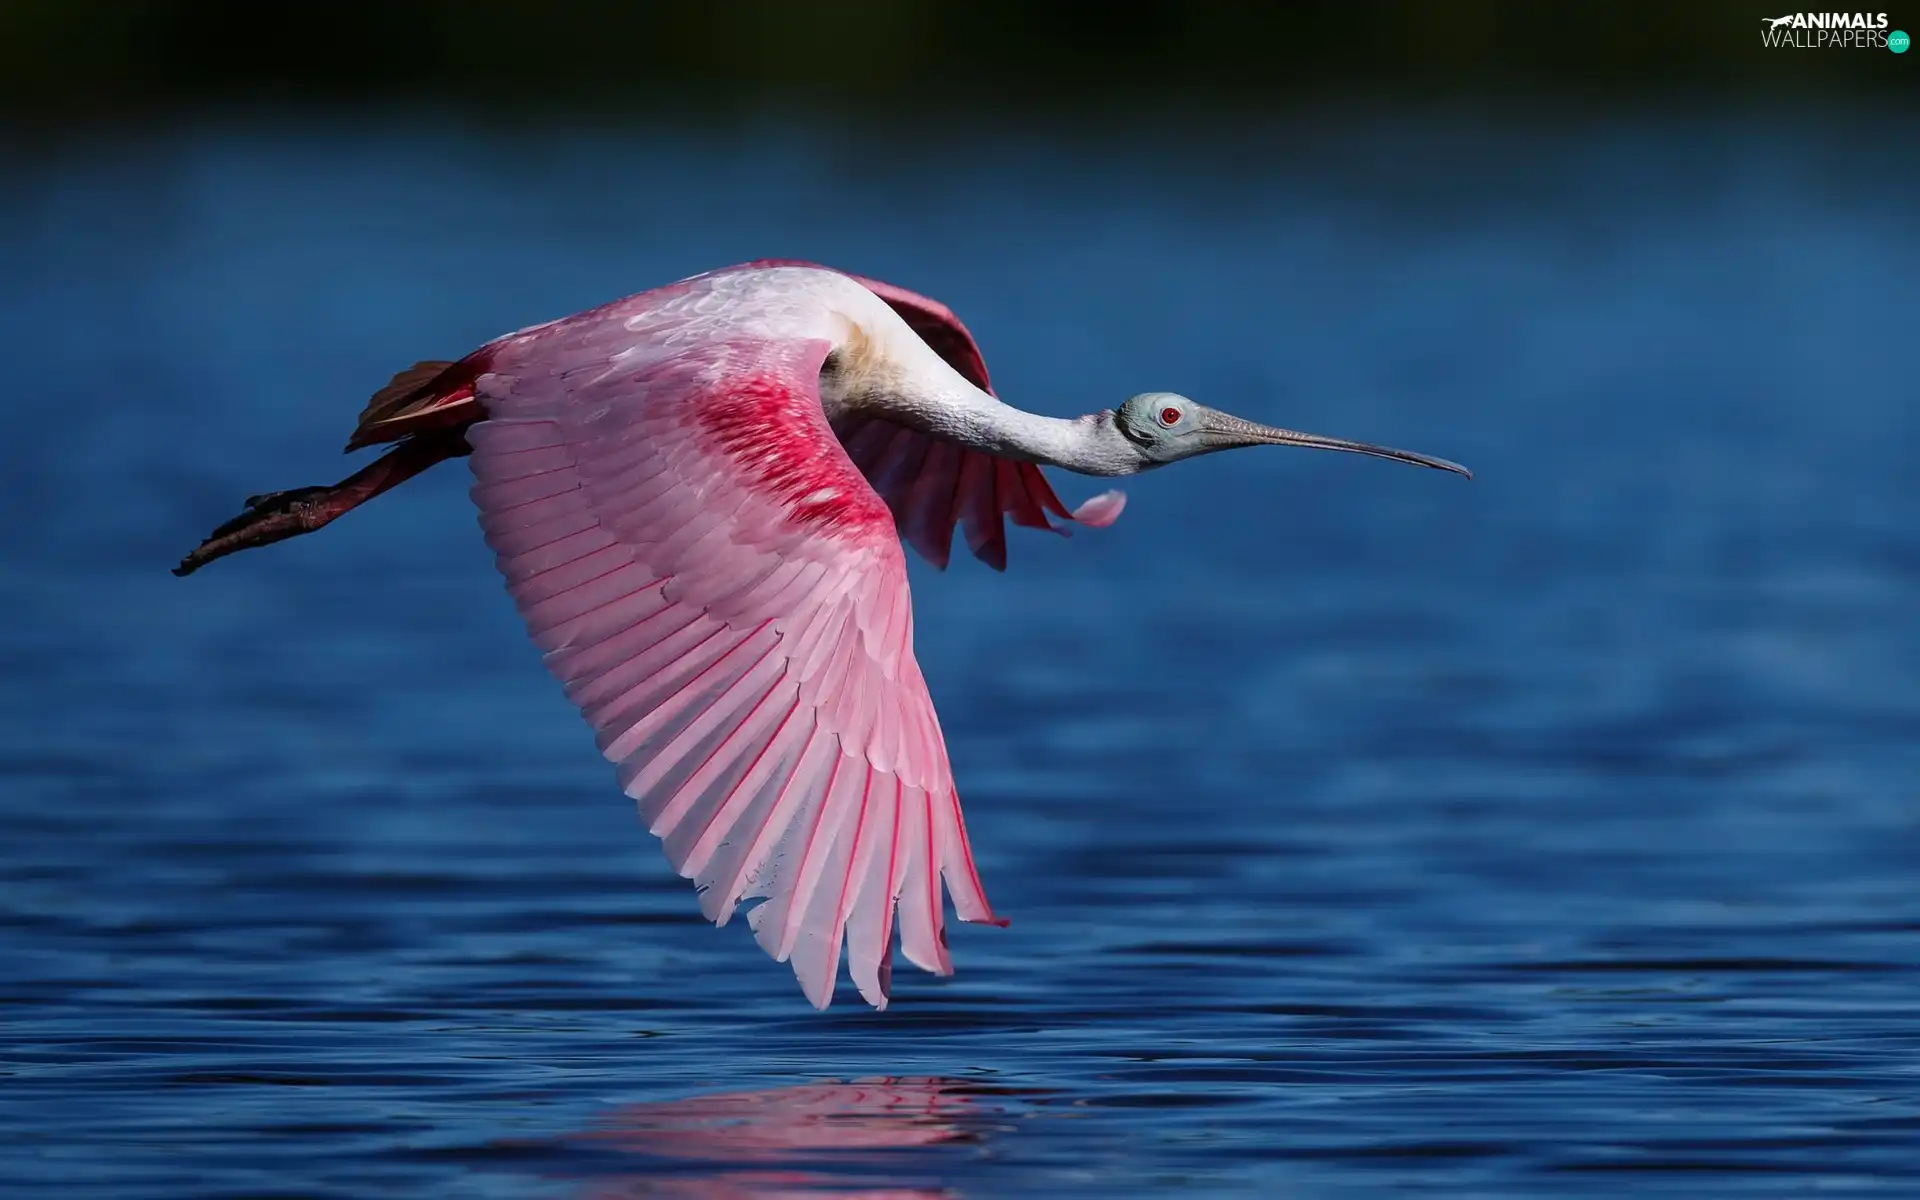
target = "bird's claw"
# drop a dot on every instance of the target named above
(292, 502)
(270, 517)
(291, 494)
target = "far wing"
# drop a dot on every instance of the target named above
(724, 598)
(931, 484)
(938, 326)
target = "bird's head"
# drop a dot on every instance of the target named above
(1162, 427)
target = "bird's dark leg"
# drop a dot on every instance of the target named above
(277, 516)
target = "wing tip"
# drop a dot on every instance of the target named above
(878, 989)
(818, 996)
(1100, 511)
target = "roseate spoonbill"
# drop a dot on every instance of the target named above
(698, 496)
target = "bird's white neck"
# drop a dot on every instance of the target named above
(891, 373)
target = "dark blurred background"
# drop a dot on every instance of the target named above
(62, 61)
(1362, 828)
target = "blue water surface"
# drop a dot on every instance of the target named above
(1362, 829)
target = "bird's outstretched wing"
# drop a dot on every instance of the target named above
(930, 484)
(725, 599)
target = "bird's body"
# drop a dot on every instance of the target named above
(698, 497)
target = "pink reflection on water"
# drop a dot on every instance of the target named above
(811, 1140)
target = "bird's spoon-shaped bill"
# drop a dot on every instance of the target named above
(1222, 431)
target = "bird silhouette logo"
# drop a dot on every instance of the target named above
(1777, 22)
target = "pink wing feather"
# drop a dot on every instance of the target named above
(723, 596)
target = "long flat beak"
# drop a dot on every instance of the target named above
(1221, 432)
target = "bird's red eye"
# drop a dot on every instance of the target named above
(1169, 416)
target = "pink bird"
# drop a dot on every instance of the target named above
(698, 496)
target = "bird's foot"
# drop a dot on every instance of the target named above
(272, 517)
